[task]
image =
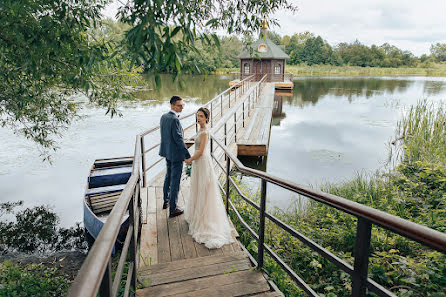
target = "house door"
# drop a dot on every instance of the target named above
(261, 68)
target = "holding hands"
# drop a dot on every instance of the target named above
(188, 161)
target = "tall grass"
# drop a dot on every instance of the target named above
(415, 189)
(330, 70)
(422, 133)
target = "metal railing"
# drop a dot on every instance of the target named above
(95, 275)
(216, 108)
(366, 216)
(272, 77)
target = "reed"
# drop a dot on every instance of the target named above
(414, 189)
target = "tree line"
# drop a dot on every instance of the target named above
(310, 49)
(307, 48)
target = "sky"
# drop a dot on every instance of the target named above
(412, 25)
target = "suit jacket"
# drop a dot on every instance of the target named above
(172, 143)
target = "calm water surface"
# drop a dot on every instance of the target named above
(327, 131)
(331, 129)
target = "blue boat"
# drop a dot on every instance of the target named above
(106, 181)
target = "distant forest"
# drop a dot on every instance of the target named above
(303, 48)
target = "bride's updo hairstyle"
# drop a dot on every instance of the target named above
(206, 113)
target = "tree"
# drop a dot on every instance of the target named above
(163, 30)
(438, 50)
(49, 50)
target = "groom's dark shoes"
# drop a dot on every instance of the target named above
(165, 205)
(175, 213)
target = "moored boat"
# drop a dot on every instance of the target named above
(106, 181)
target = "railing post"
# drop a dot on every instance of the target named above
(143, 162)
(105, 289)
(133, 243)
(221, 106)
(235, 126)
(212, 117)
(228, 168)
(243, 123)
(212, 145)
(229, 95)
(362, 250)
(262, 224)
(225, 136)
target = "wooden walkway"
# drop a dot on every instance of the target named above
(171, 263)
(256, 139)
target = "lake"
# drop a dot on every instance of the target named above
(328, 130)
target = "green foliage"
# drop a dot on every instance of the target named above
(438, 50)
(34, 280)
(48, 52)
(163, 32)
(414, 190)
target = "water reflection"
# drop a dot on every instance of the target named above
(197, 88)
(310, 90)
(332, 128)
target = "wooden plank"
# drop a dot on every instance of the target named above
(100, 204)
(227, 249)
(237, 289)
(174, 289)
(144, 204)
(215, 252)
(176, 247)
(102, 196)
(162, 230)
(195, 272)
(186, 239)
(251, 123)
(151, 200)
(265, 126)
(191, 263)
(251, 150)
(149, 242)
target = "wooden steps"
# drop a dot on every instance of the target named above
(220, 275)
(171, 263)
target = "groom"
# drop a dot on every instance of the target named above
(174, 150)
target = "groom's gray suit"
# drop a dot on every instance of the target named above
(174, 150)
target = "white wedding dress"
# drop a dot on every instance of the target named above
(204, 209)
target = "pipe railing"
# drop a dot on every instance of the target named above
(216, 107)
(95, 275)
(366, 216)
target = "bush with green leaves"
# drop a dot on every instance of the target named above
(415, 190)
(33, 280)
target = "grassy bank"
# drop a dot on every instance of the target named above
(414, 189)
(330, 70)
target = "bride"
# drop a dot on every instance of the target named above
(204, 210)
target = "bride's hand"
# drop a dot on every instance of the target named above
(188, 161)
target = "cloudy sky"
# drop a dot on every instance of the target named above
(408, 24)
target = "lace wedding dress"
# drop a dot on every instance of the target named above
(204, 209)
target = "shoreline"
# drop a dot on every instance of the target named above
(439, 70)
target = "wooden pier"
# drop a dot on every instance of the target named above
(161, 259)
(171, 263)
(255, 141)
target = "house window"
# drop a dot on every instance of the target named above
(246, 67)
(277, 69)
